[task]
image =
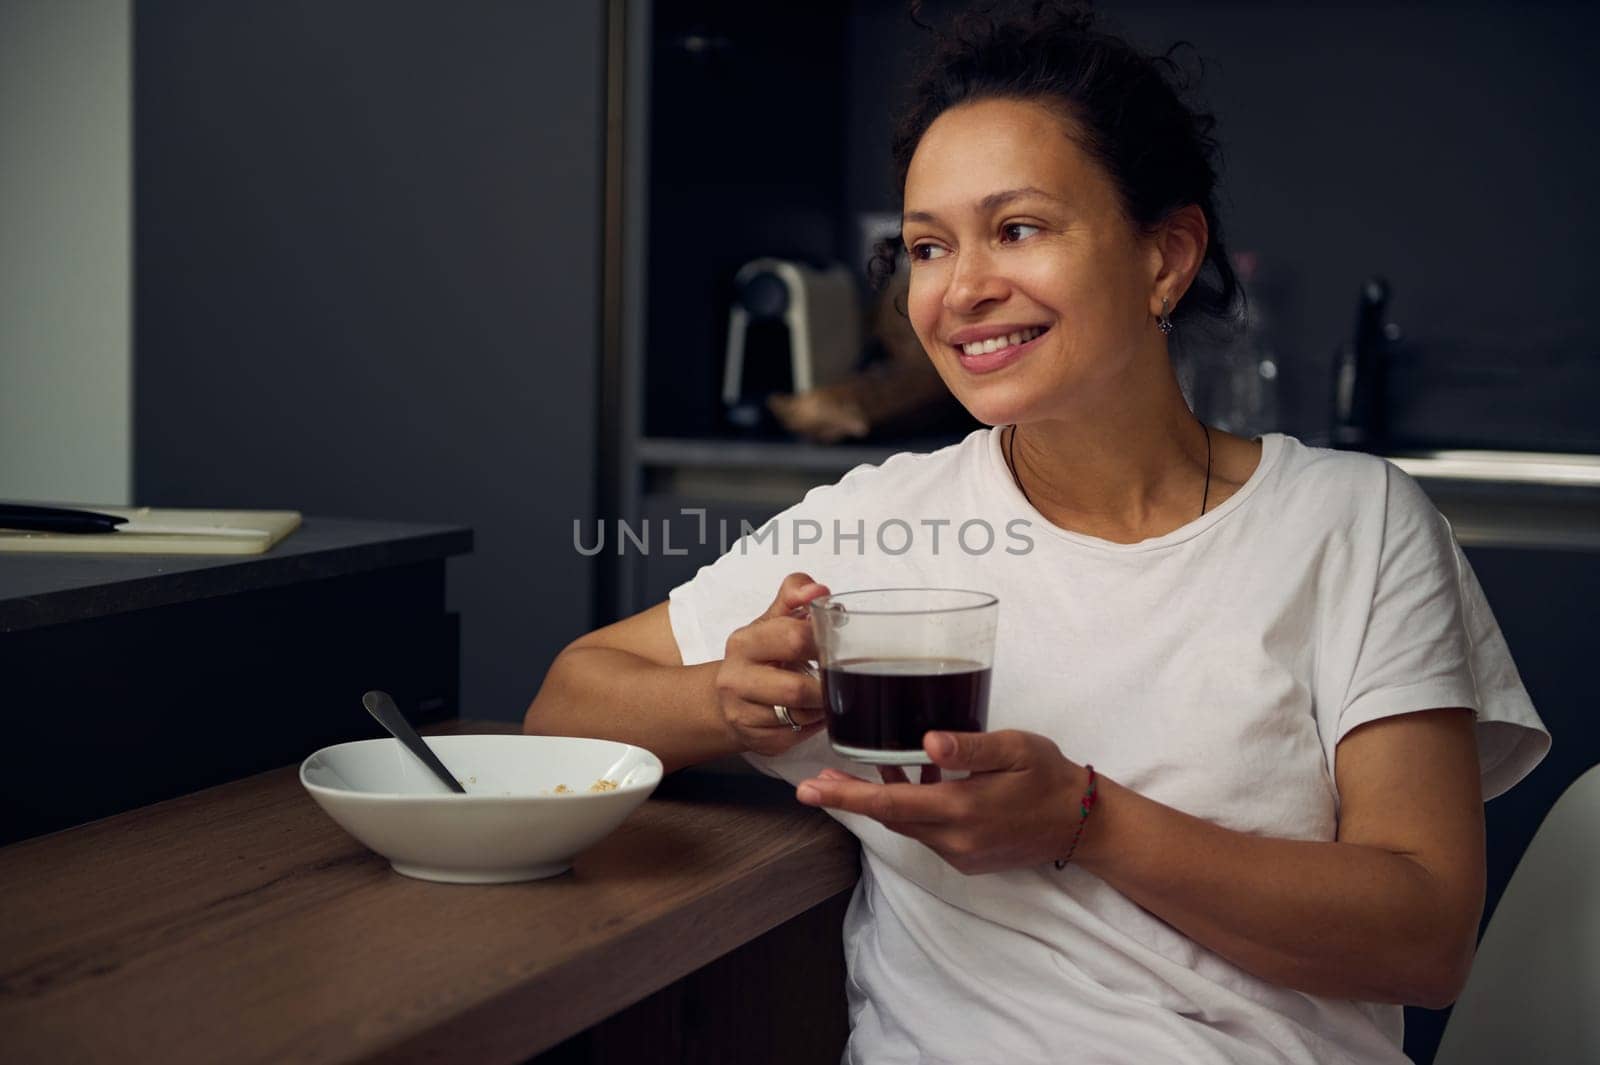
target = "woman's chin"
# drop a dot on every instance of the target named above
(992, 408)
(997, 399)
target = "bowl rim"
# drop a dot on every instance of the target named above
(401, 796)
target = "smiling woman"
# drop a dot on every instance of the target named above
(1066, 264)
(1078, 195)
(1246, 699)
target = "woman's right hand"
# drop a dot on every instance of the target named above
(764, 666)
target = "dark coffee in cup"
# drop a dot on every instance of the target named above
(887, 704)
(898, 662)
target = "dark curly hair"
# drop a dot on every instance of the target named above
(1125, 112)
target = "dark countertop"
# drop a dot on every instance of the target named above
(41, 589)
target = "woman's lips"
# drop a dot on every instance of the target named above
(997, 360)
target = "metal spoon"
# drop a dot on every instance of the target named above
(382, 707)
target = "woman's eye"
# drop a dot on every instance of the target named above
(925, 252)
(1009, 226)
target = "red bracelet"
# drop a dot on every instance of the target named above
(1084, 806)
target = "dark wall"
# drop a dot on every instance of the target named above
(367, 247)
(1446, 145)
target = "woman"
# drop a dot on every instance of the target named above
(1279, 663)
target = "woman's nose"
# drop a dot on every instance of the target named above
(973, 283)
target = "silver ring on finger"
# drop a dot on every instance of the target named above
(783, 716)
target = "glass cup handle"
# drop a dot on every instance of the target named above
(810, 667)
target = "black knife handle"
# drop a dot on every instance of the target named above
(56, 519)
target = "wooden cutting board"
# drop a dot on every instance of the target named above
(274, 526)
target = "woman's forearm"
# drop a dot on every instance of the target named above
(1336, 919)
(611, 694)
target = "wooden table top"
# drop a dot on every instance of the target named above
(241, 924)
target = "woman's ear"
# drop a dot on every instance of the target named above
(1179, 250)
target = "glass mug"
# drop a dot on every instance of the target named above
(899, 662)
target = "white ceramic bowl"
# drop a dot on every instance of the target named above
(511, 825)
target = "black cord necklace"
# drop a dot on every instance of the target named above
(1011, 451)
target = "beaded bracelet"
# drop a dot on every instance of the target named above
(1084, 806)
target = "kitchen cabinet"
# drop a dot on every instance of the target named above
(127, 679)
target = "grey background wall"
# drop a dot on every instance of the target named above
(65, 225)
(367, 280)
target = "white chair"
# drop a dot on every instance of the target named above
(1534, 992)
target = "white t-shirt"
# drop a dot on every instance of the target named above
(1214, 669)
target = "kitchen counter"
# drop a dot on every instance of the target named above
(43, 589)
(1502, 499)
(137, 670)
(1505, 499)
(240, 924)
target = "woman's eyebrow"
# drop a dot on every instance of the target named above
(988, 203)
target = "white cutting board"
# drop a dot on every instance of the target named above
(274, 526)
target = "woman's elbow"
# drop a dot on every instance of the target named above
(529, 725)
(534, 719)
(1439, 997)
(1437, 985)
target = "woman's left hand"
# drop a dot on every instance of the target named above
(1019, 806)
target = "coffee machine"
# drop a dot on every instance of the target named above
(792, 328)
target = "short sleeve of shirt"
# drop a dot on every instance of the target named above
(1431, 641)
(739, 586)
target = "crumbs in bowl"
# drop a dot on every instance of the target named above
(600, 785)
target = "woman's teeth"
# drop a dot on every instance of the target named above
(993, 344)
